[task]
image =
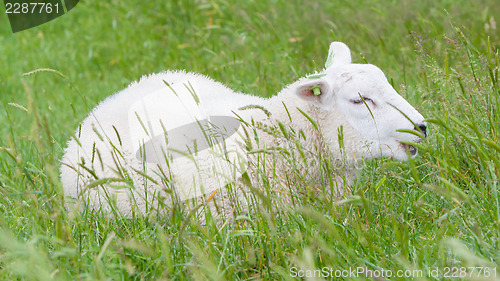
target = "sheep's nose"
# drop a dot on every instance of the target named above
(422, 128)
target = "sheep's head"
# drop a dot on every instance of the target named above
(357, 100)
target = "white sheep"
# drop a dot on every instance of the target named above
(142, 137)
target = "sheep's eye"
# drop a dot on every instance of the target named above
(360, 101)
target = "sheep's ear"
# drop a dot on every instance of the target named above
(315, 90)
(338, 54)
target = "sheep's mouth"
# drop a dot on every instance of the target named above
(410, 148)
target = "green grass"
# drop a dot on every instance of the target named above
(439, 210)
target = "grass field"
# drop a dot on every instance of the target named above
(440, 210)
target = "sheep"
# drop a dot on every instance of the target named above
(151, 135)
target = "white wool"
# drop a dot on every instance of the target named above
(107, 141)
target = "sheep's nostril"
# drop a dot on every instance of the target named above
(422, 128)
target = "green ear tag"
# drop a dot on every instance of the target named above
(316, 90)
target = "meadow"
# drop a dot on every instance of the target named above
(440, 210)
